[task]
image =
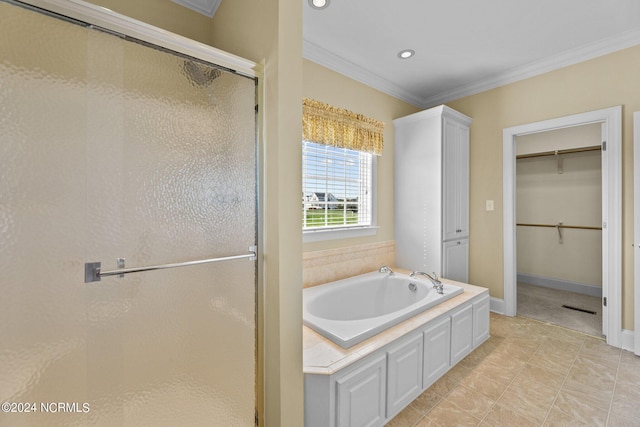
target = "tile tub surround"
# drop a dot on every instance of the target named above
(323, 357)
(531, 373)
(334, 264)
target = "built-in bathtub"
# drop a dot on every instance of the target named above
(351, 310)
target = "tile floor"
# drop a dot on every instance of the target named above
(531, 373)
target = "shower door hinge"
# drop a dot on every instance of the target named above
(604, 145)
(257, 418)
(604, 301)
(256, 108)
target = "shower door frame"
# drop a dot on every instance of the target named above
(636, 232)
(122, 25)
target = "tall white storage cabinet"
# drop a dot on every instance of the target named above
(432, 192)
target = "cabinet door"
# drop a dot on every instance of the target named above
(455, 221)
(461, 334)
(450, 171)
(462, 181)
(480, 321)
(437, 351)
(404, 374)
(455, 260)
(361, 395)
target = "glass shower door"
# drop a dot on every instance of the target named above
(112, 149)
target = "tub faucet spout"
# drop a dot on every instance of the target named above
(437, 284)
(386, 269)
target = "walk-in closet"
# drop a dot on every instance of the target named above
(559, 227)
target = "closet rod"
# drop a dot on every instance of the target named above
(567, 151)
(581, 227)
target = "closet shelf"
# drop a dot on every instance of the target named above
(581, 227)
(559, 226)
(557, 152)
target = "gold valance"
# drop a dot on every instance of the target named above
(324, 124)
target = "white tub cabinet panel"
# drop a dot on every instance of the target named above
(480, 321)
(361, 395)
(319, 401)
(404, 374)
(461, 334)
(431, 187)
(437, 351)
(455, 260)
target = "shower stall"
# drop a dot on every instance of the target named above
(128, 228)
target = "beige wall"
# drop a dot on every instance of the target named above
(599, 83)
(559, 139)
(335, 89)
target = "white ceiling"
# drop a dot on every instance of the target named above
(462, 46)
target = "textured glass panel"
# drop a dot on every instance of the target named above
(111, 149)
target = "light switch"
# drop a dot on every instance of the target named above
(489, 204)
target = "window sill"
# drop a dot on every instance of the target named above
(338, 233)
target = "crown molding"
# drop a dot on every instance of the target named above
(205, 7)
(323, 57)
(555, 62)
(583, 53)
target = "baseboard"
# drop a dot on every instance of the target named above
(560, 284)
(496, 305)
(627, 339)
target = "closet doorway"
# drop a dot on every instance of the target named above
(609, 121)
(559, 227)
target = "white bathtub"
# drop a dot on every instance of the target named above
(351, 310)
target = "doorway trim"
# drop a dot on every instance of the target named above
(611, 120)
(636, 232)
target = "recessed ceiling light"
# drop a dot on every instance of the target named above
(319, 4)
(406, 53)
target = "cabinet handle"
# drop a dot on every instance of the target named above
(458, 242)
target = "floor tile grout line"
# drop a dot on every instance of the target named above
(615, 385)
(430, 409)
(510, 382)
(456, 385)
(564, 380)
(565, 328)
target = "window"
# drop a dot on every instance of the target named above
(338, 168)
(336, 187)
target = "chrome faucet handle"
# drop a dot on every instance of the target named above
(386, 269)
(437, 284)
